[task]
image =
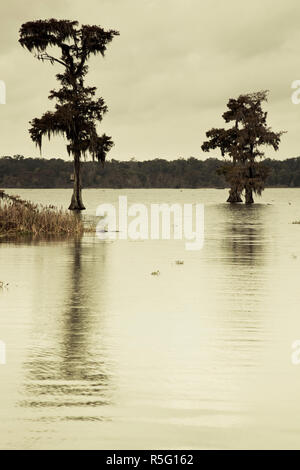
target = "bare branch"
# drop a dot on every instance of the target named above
(46, 56)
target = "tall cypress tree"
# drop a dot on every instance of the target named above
(243, 143)
(77, 111)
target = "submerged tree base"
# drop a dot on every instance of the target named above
(234, 196)
(76, 206)
(249, 197)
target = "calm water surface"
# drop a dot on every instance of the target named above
(100, 354)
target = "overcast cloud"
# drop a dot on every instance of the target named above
(167, 77)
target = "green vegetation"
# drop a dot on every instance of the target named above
(20, 172)
(19, 217)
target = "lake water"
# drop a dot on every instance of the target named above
(100, 354)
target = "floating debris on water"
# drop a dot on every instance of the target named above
(155, 273)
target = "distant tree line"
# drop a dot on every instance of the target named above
(21, 172)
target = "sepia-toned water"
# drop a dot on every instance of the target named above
(101, 354)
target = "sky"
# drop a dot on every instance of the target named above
(168, 76)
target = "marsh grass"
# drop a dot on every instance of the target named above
(20, 217)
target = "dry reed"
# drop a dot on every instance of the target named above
(23, 217)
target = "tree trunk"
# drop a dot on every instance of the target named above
(249, 196)
(248, 189)
(234, 196)
(76, 202)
